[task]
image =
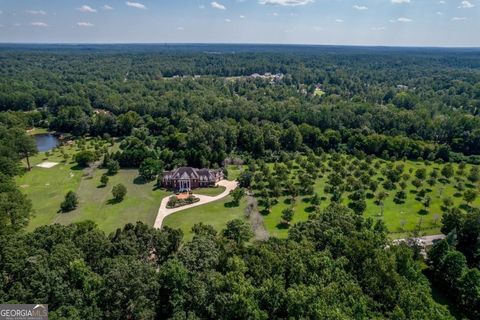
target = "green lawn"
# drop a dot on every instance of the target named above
(140, 204)
(47, 188)
(212, 192)
(214, 214)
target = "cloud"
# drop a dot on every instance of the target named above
(228, 20)
(217, 5)
(441, 2)
(86, 9)
(85, 24)
(39, 24)
(360, 7)
(242, 16)
(36, 12)
(378, 28)
(400, 1)
(439, 13)
(466, 5)
(403, 19)
(137, 5)
(339, 20)
(180, 28)
(201, 6)
(107, 7)
(291, 3)
(459, 18)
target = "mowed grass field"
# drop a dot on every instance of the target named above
(400, 219)
(216, 214)
(47, 188)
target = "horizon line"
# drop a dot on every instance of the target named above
(242, 44)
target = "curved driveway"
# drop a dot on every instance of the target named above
(163, 212)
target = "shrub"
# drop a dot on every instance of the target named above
(70, 202)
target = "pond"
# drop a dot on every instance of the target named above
(46, 142)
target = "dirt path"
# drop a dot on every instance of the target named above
(163, 212)
(256, 219)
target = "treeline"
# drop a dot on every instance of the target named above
(336, 265)
(425, 95)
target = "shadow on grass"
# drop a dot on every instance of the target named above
(310, 209)
(114, 201)
(282, 226)
(231, 204)
(140, 181)
(101, 186)
(264, 212)
(423, 212)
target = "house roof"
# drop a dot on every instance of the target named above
(191, 173)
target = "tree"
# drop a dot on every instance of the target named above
(315, 201)
(474, 175)
(469, 196)
(119, 192)
(417, 183)
(381, 196)
(150, 168)
(238, 230)
(25, 146)
(84, 158)
(447, 171)
(237, 194)
(70, 202)
(427, 200)
(287, 215)
(113, 167)
(104, 179)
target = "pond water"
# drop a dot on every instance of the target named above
(46, 142)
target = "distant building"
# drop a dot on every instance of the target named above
(187, 178)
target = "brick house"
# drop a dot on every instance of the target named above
(187, 178)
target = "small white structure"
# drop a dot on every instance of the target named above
(47, 164)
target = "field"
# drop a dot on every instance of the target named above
(216, 214)
(400, 218)
(212, 192)
(47, 188)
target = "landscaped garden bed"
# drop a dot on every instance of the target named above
(176, 202)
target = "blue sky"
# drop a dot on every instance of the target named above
(362, 22)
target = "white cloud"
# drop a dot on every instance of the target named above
(466, 5)
(201, 6)
(441, 2)
(228, 20)
(135, 5)
(242, 16)
(339, 20)
(439, 13)
(459, 19)
(85, 24)
(275, 14)
(87, 9)
(378, 28)
(217, 5)
(290, 3)
(400, 1)
(317, 28)
(107, 7)
(180, 28)
(39, 24)
(360, 7)
(36, 12)
(403, 19)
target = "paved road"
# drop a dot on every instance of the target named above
(163, 212)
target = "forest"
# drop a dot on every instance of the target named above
(343, 121)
